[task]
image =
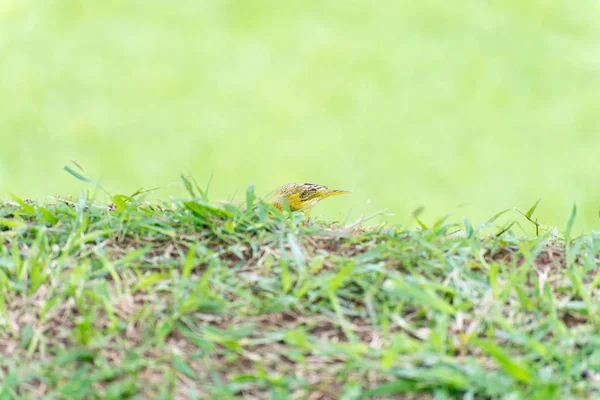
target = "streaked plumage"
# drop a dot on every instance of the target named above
(303, 196)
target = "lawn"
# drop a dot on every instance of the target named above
(475, 109)
(407, 104)
(193, 298)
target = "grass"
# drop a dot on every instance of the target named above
(189, 298)
(407, 104)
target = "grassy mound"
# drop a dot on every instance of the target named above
(190, 299)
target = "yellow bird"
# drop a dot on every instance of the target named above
(303, 196)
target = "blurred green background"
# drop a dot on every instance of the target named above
(408, 104)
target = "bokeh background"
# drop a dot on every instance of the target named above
(408, 103)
